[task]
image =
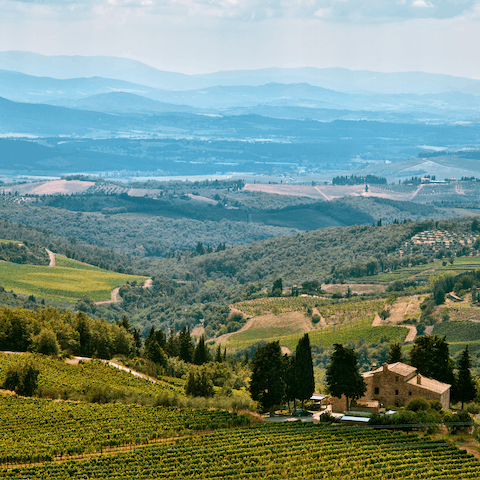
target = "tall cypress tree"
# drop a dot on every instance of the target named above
(201, 354)
(185, 345)
(466, 389)
(304, 377)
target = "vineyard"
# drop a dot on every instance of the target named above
(34, 430)
(62, 283)
(274, 451)
(346, 321)
(276, 305)
(72, 380)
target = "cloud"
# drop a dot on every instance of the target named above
(344, 11)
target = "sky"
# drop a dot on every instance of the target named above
(201, 36)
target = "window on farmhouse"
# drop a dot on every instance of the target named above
(396, 392)
(428, 396)
(377, 390)
(396, 379)
(410, 393)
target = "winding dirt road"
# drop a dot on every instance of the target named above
(52, 257)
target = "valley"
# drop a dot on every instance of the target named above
(186, 259)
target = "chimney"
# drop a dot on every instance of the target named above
(419, 379)
(373, 367)
(385, 368)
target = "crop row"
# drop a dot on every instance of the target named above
(273, 451)
(34, 430)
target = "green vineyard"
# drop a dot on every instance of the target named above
(69, 379)
(35, 430)
(274, 451)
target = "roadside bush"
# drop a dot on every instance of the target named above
(458, 422)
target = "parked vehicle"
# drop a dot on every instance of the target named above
(301, 412)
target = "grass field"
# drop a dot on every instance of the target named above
(64, 283)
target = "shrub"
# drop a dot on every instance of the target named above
(22, 380)
(417, 404)
(458, 422)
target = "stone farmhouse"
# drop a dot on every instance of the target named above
(395, 384)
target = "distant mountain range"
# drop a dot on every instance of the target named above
(338, 79)
(111, 114)
(293, 101)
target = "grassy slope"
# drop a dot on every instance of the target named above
(69, 282)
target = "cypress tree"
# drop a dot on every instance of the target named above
(185, 345)
(201, 354)
(304, 377)
(395, 353)
(466, 389)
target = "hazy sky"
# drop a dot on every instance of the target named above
(198, 36)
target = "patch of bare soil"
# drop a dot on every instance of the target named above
(327, 192)
(197, 331)
(61, 186)
(199, 198)
(284, 323)
(403, 308)
(148, 283)
(358, 288)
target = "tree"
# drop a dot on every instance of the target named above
(431, 357)
(342, 376)
(289, 379)
(22, 379)
(201, 354)
(304, 377)
(46, 342)
(218, 355)
(185, 345)
(395, 353)
(466, 389)
(277, 287)
(199, 384)
(267, 385)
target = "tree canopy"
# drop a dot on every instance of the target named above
(342, 376)
(430, 355)
(304, 377)
(267, 385)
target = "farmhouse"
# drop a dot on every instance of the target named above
(396, 384)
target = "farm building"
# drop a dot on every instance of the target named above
(396, 384)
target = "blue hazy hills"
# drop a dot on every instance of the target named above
(113, 113)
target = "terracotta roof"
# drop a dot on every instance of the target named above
(429, 384)
(399, 368)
